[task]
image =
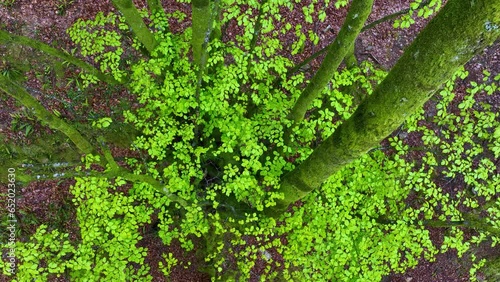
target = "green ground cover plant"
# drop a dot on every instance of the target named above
(236, 147)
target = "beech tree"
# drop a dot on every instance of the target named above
(238, 146)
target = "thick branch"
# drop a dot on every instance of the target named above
(26, 41)
(201, 25)
(139, 178)
(203, 16)
(134, 20)
(20, 94)
(448, 42)
(358, 13)
(371, 25)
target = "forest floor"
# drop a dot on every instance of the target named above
(50, 200)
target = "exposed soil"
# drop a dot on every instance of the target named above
(47, 21)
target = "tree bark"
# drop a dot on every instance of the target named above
(451, 39)
(134, 20)
(26, 41)
(201, 24)
(371, 25)
(20, 94)
(356, 18)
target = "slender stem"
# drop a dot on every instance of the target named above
(307, 60)
(470, 221)
(257, 27)
(252, 108)
(107, 155)
(392, 16)
(140, 178)
(26, 41)
(119, 172)
(201, 26)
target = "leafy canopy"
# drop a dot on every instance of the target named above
(216, 141)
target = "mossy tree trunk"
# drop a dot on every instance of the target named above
(54, 122)
(21, 95)
(134, 20)
(203, 15)
(48, 153)
(202, 26)
(459, 31)
(356, 18)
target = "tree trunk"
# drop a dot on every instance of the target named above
(81, 143)
(134, 20)
(462, 29)
(20, 94)
(356, 18)
(201, 24)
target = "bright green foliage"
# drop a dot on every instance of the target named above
(103, 44)
(218, 145)
(460, 149)
(51, 247)
(335, 235)
(108, 225)
(102, 122)
(170, 262)
(358, 225)
(419, 8)
(459, 145)
(273, 23)
(334, 105)
(107, 249)
(171, 116)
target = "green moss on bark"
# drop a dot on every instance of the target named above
(6, 37)
(20, 94)
(134, 20)
(356, 18)
(201, 21)
(448, 42)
